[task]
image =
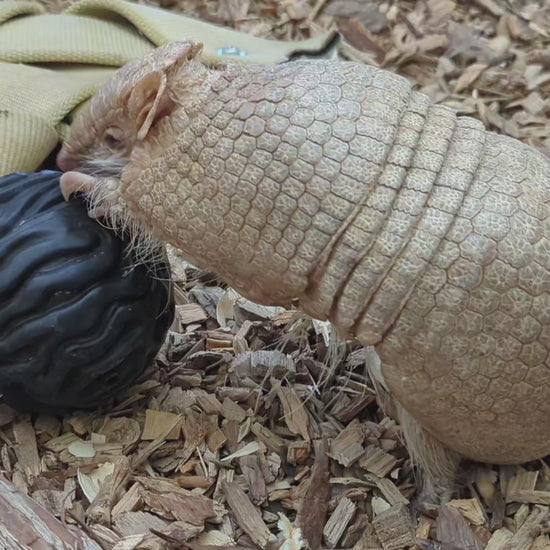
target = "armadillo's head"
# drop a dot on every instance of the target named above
(124, 111)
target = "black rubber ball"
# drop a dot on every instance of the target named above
(79, 319)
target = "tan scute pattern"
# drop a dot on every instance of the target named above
(409, 227)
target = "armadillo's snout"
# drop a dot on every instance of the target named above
(65, 161)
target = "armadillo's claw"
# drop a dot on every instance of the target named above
(97, 212)
(75, 182)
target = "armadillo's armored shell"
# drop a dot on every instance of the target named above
(78, 322)
(336, 186)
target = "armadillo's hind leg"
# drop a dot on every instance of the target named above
(436, 465)
(431, 494)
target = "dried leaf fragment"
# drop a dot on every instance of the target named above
(82, 449)
(469, 76)
(293, 539)
(296, 417)
(91, 482)
(250, 448)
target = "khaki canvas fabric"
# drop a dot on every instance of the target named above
(50, 64)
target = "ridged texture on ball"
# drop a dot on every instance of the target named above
(78, 321)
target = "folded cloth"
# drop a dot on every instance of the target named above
(52, 63)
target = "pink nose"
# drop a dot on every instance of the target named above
(66, 162)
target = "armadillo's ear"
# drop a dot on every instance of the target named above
(149, 101)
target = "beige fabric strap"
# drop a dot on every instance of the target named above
(161, 26)
(13, 8)
(25, 141)
(52, 63)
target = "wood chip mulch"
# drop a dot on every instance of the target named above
(256, 427)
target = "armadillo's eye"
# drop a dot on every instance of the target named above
(114, 137)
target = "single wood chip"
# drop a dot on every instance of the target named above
(368, 540)
(130, 501)
(312, 512)
(215, 438)
(528, 497)
(26, 449)
(250, 467)
(178, 532)
(392, 494)
(190, 313)
(208, 402)
(172, 502)
(377, 461)
(452, 528)
(431, 43)
(500, 539)
(394, 528)
(143, 455)
(471, 509)
(379, 505)
(469, 76)
(157, 422)
(137, 523)
(268, 438)
(338, 522)
(231, 431)
(215, 538)
(347, 412)
(298, 452)
(232, 411)
(193, 482)
(99, 510)
(246, 515)
(347, 447)
(125, 431)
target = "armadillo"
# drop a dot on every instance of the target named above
(335, 186)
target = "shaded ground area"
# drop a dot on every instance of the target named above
(256, 427)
